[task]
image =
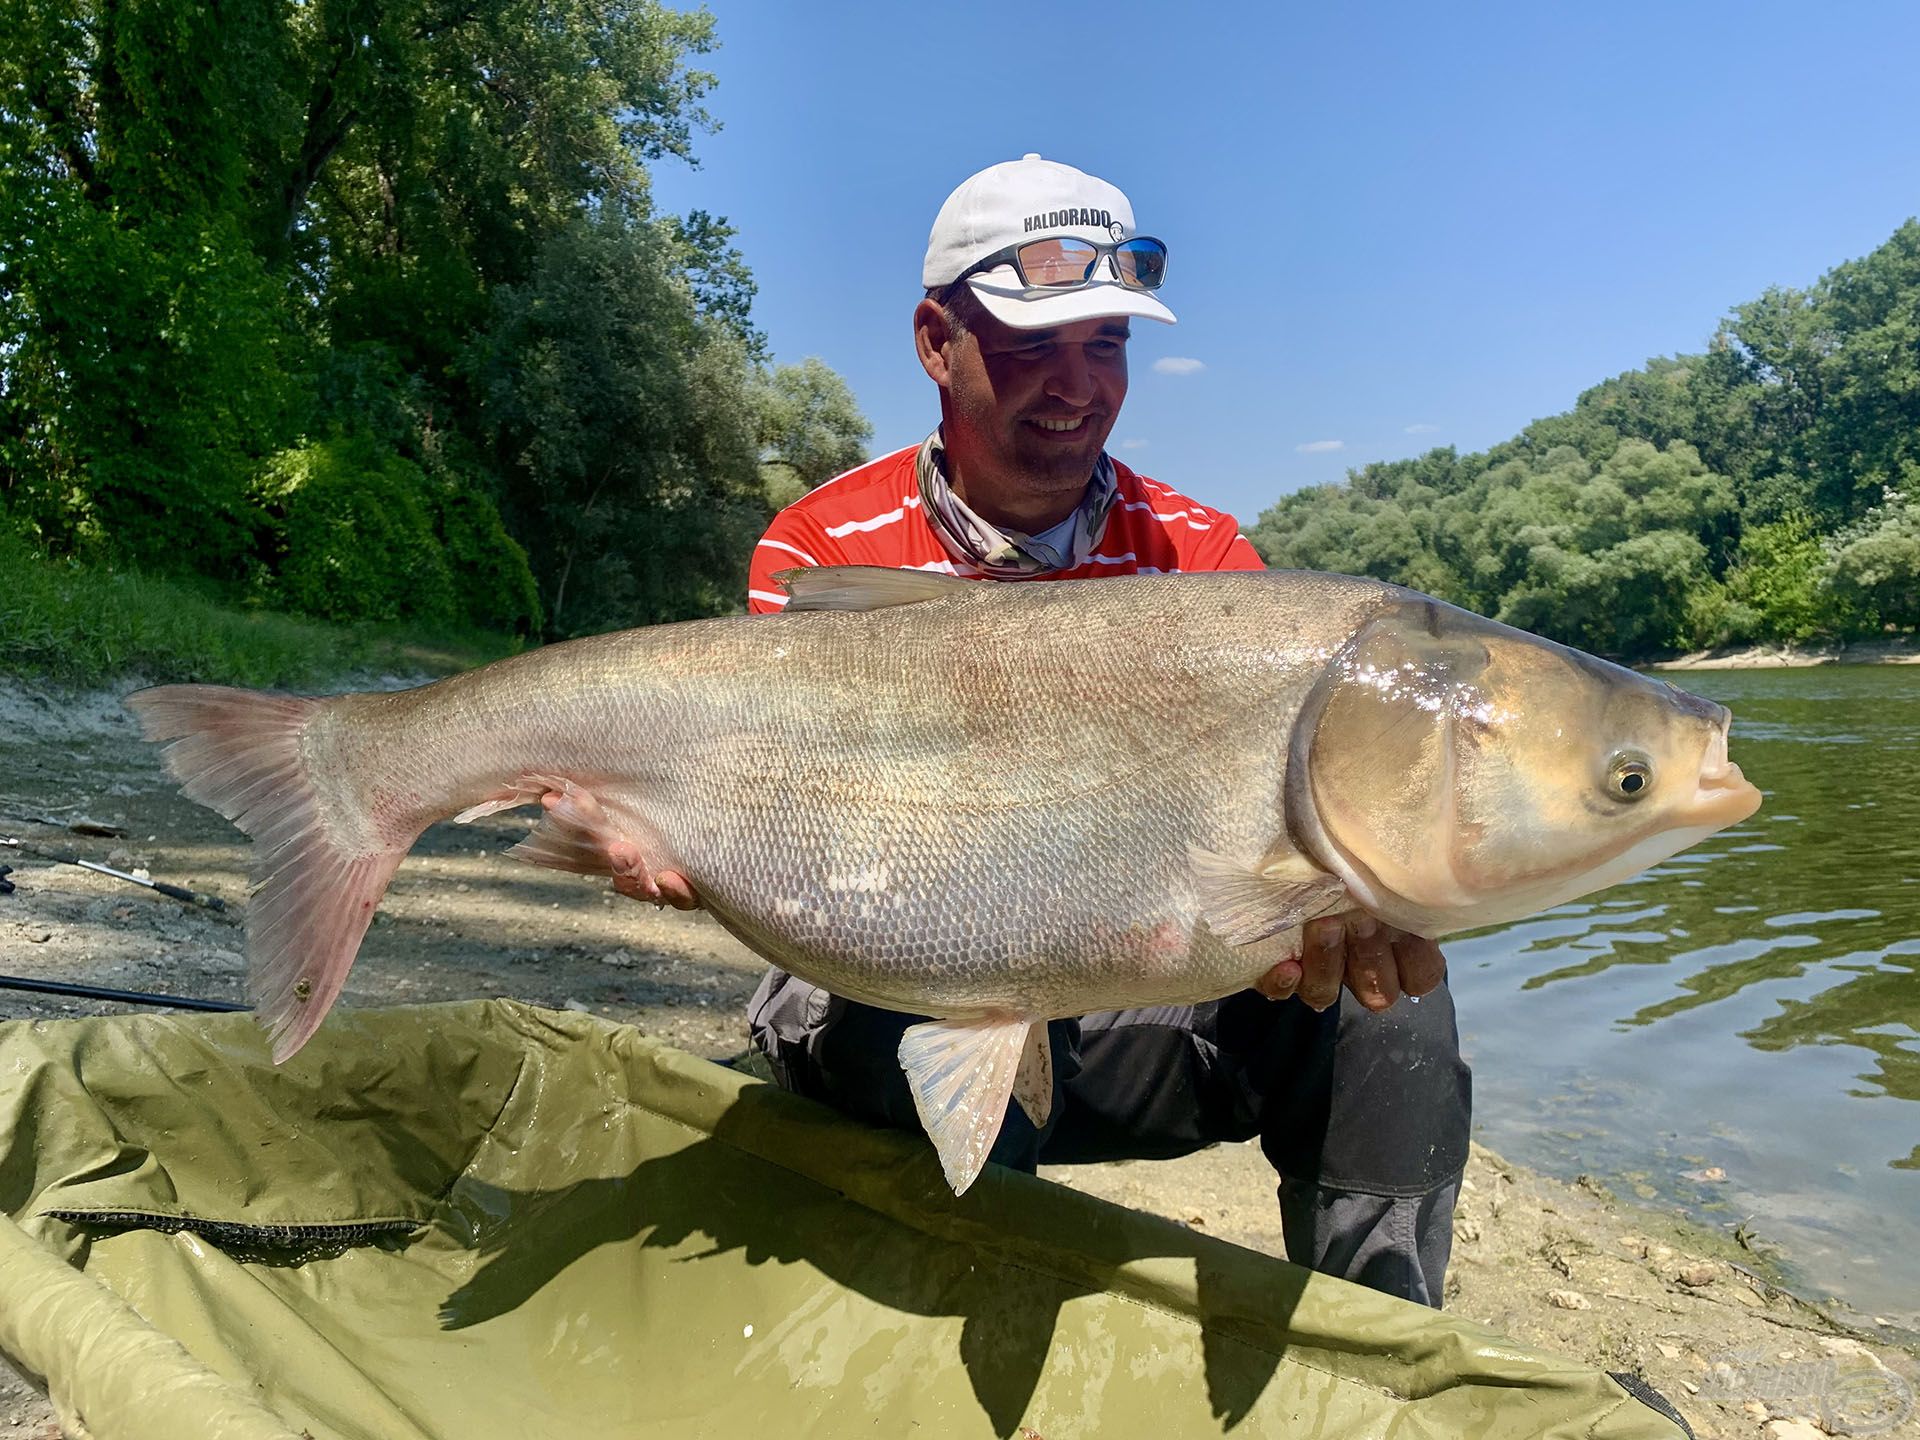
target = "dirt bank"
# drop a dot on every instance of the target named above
(1563, 1267)
(1899, 651)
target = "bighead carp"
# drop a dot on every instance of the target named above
(995, 804)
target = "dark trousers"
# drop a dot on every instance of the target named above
(1365, 1116)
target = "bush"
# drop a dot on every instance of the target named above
(493, 586)
(354, 534)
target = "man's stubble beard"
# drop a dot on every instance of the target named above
(1031, 464)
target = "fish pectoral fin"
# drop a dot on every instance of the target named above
(961, 1073)
(1033, 1081)
(1242, 905)
(864, 587)
(577, 832)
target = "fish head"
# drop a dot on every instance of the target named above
(1458, 772)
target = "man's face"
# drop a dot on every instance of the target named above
(1030, 410)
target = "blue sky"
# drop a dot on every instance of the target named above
(1392, 226)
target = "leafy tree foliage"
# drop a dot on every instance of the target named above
(622, 426)
(810, 429)
(291, 291)
(1760, 492)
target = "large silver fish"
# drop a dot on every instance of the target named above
(995, 804)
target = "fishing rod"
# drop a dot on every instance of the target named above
(125, 997)
(177, 892)
(79, 991)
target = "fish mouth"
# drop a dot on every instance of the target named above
(1722, 795)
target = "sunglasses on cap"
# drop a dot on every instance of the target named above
(1061, 261)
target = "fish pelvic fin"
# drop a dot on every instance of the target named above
(313, 890)
(864, 587)
(576, 833)
(962, 1073)
(1242, 905)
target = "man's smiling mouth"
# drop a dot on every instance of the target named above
(1061, 426)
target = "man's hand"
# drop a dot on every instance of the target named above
(1377, 962)
(669, 887)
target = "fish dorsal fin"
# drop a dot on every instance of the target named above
(961, 1073)
(1242, 905)
(864, 587)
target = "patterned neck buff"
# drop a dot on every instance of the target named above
(1007, 553)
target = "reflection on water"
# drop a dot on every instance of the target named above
(1752, 1005)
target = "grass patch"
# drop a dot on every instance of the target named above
(85, 625)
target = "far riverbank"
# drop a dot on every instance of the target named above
(1899, 651)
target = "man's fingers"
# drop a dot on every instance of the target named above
(1281, 981)
(1422, 966)
(637, 887)
(1371, 972)
(676, 890)
(669, 887)
(1322, 961)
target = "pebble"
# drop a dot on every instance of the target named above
(1568, 1300)
(1794, 1429)
(1672, 1352)
(1712, 1175)
(1756, 1408)
(1466, 1228)
(1698, 1275)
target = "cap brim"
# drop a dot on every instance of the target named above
(1041, 309)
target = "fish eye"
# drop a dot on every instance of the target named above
(1629, 777)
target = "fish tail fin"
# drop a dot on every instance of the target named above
(314, 888)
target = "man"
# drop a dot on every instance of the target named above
(1033, 274)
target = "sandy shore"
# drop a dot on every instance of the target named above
(1902, 651)
(1565, 1267)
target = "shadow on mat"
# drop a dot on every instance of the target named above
(982, 1257)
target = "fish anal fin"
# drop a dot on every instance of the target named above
(577, 832)
(961, 1074)
(1242, 904)
(1033, 1081)
(864, 587)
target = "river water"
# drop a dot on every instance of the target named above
(1750, 1007)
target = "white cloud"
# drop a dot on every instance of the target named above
(1320, 447)
(1178, 365)
(1421, 429)
(1134, 444)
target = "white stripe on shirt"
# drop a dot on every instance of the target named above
(790, 549)
(1192, 524)
(878, 522)
(769, 597)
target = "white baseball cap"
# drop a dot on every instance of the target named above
(1033, 199)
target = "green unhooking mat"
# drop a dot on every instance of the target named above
(490, 1220)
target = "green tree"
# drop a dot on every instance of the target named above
(627, 450)
(1873, 566)
(810, 428)
(263, 269)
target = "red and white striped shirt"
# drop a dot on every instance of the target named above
(872, 516)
